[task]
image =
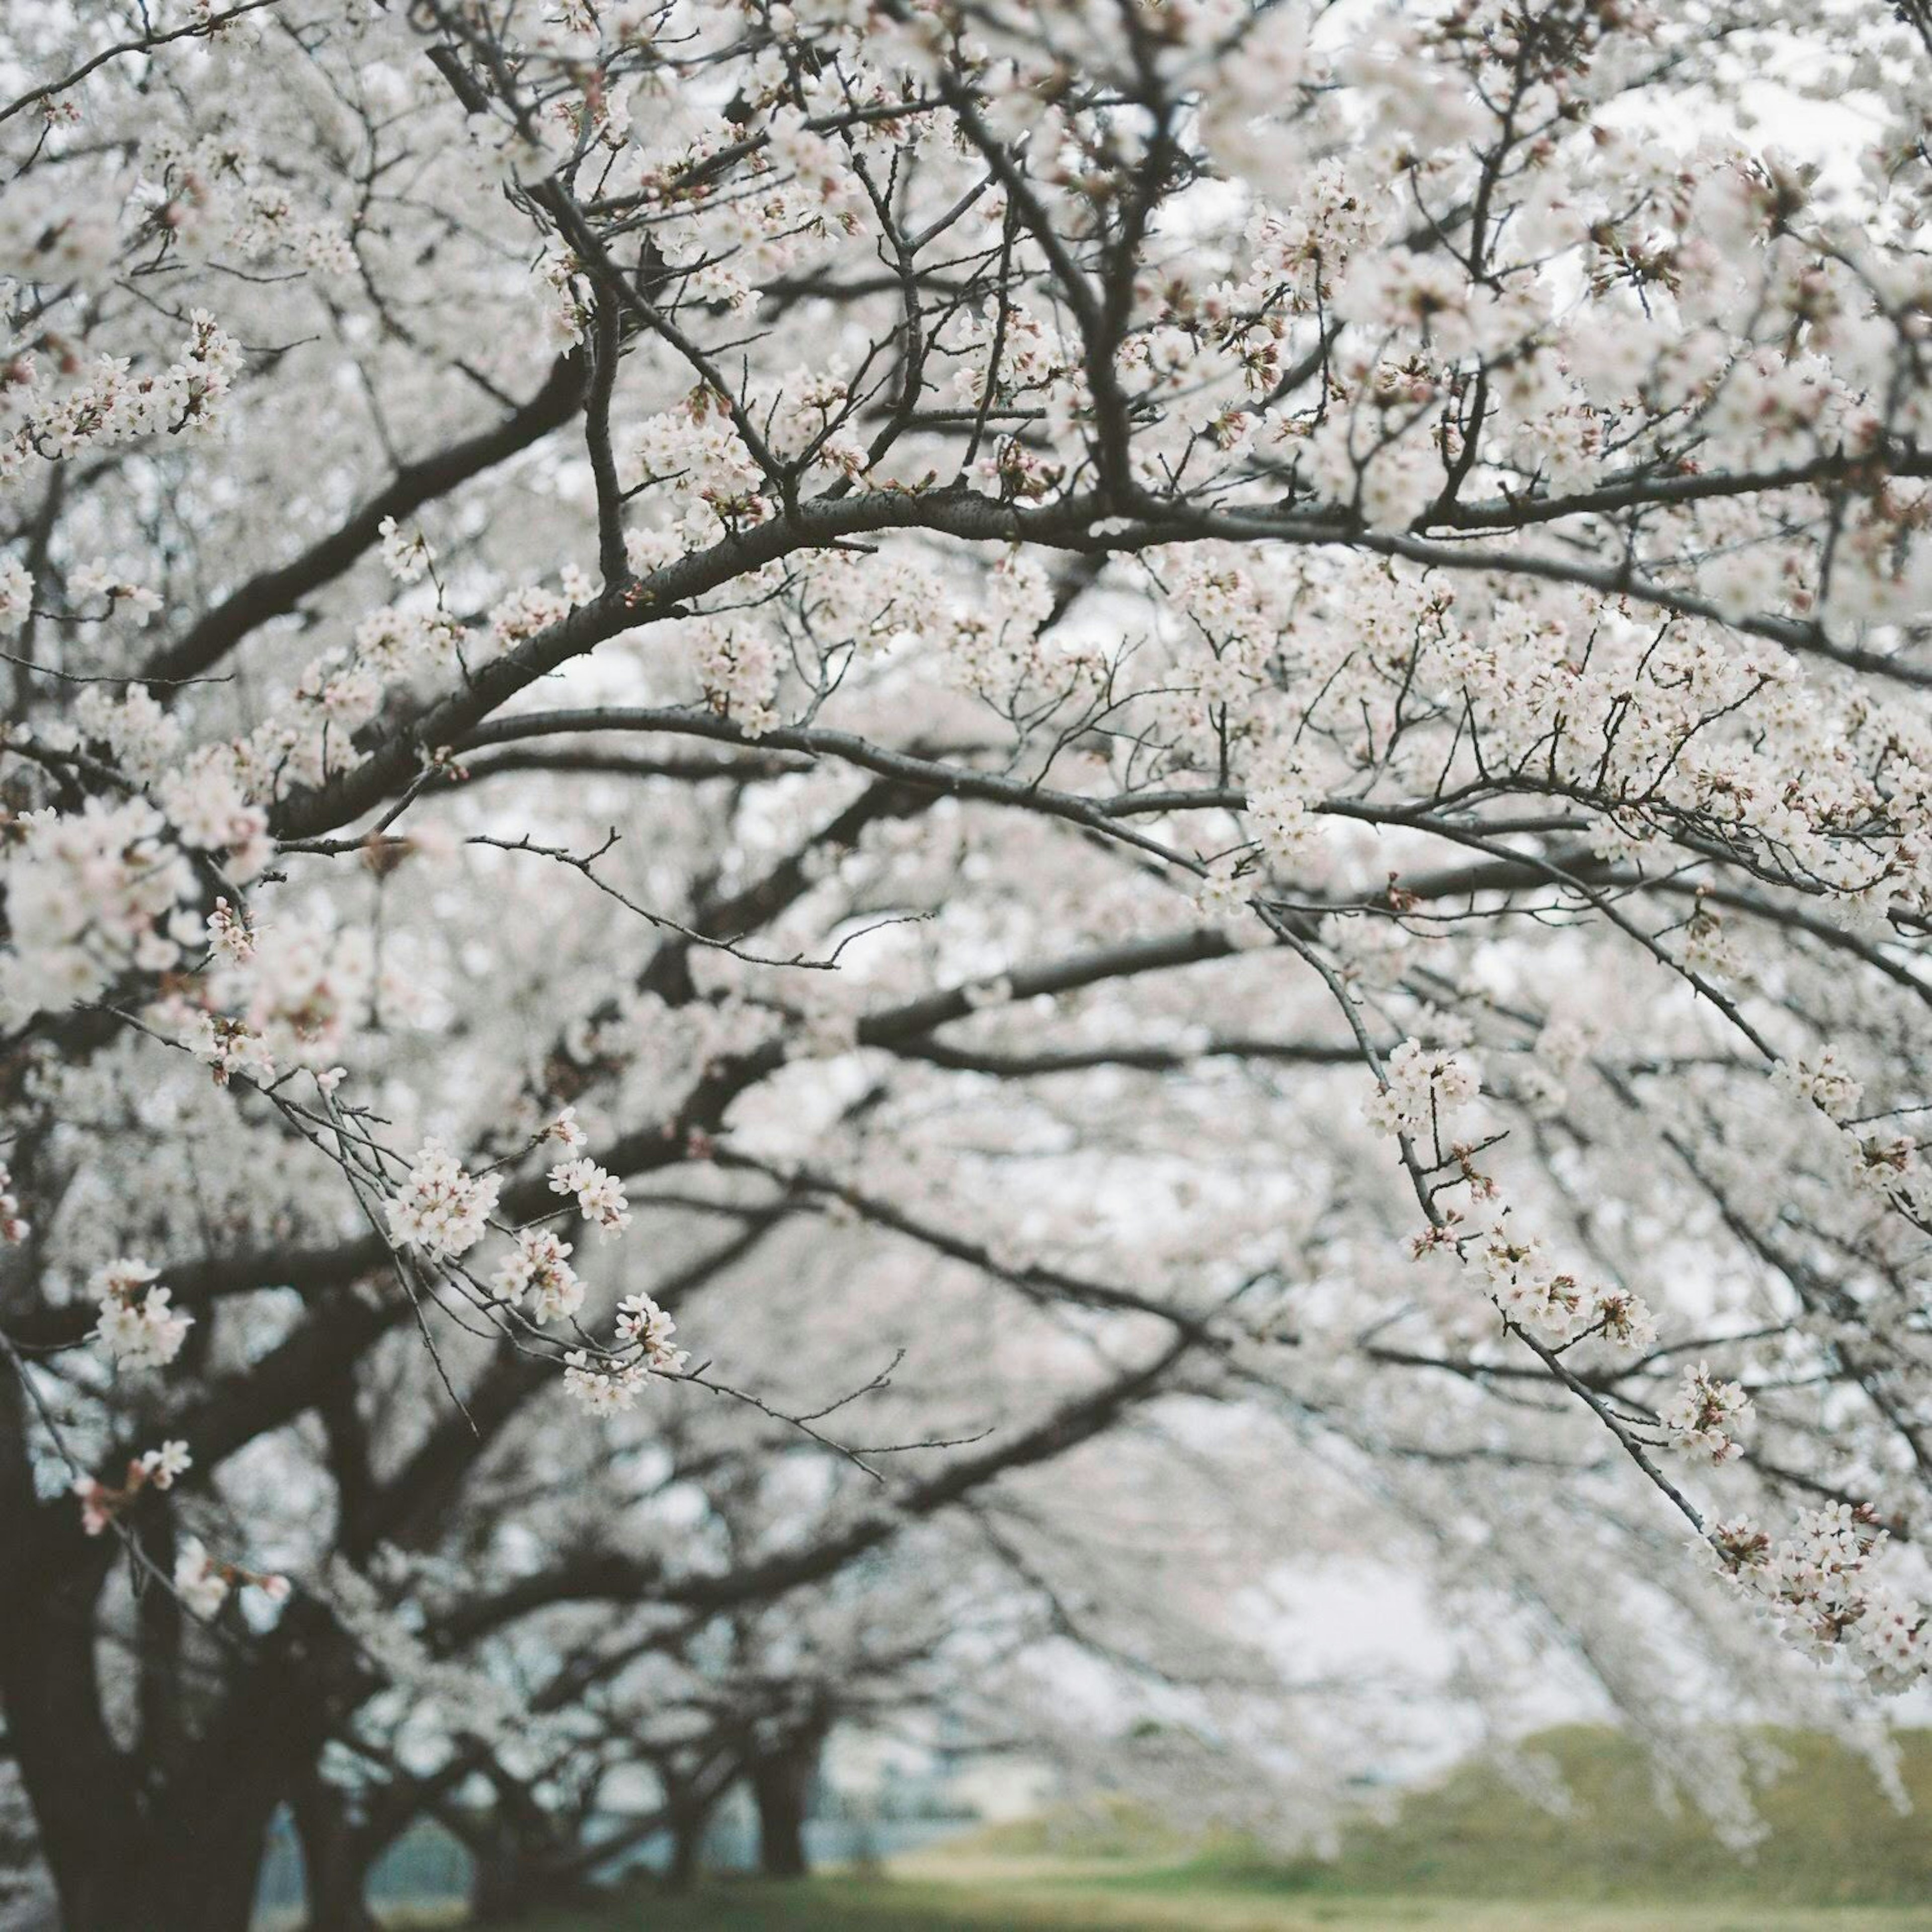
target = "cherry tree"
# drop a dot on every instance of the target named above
(1212, 713)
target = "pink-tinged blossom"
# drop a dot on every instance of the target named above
(204, 1583)
(98, 1504)
(599, 1194)
(540, 1267)
(231, 935)
(101, 1504)
(138, 1327)
(1624, 1320)
(1702, 1417)
(12, 1229)
(1425, 1088)
(201, 1584)
(605, 1388)
(441, 1211)
(644, 1325)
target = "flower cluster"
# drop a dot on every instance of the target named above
(1825, 1082)
(91, 896)
(646, 1326)
(540, 1267)
(111, 405)
(1423, 1089)
(1823, 1586)
(231, 934)
(99, 1504)
(1527, 1285)
(143, 740)
(441, 1210)
(138, 1327)
(601, 1386)
(599, 1194)
(206, 803)
(1703, 1416)
(204, 1584)
(1552, 1304)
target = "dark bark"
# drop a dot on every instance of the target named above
(522, 1855)
(201, 1870)
(687, 1852)
(168, 1837)
(75, 1778)
(336, 1858)
(194, 1870)
(781, 1781)
(688, 1806)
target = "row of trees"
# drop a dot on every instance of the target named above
(858, 858)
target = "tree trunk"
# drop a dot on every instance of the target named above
(133, 1844)
(336, 1858)
(687, 1845)
(120, 1860)
(501, 1888)
(781, 1789)
(516, 1879)
(522, 1860)
(199, 1878)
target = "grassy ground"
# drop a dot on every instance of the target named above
(1835, 1839)
(889, 1905)
(1472, 1855)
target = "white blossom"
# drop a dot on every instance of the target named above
(441, 1210)
(200, 1582)
(541, 1268)
(406, 553)
(599, 1194)
(138, 1327)
(1703, 1415)
(641, 1322)
(1424, 1090)
(601, 1388)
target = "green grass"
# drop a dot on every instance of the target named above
(1470, 1855)
(890, 1905)
(1835, 1839)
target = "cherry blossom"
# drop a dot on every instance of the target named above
(138, 1327)
(540, 1267)
(1423, 1092)
(1190, 755)
(1703, 1414)
(441, 1210)
(598, 1194)
(643, 1323)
